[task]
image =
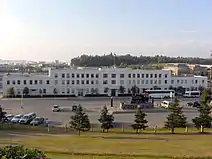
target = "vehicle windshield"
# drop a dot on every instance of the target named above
(37, 119)
(18, 116)
(25, 117)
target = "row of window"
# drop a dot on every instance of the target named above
(31, 82)
(185, 81)
(105, 75)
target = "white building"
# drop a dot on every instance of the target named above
(82, 81)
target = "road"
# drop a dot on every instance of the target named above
(42, 107)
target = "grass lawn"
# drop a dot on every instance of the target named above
(114, 145)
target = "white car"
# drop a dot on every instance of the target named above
(165, 104)
(56, 108)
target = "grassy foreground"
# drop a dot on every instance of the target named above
(114, 145)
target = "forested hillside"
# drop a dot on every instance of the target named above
(108, 60)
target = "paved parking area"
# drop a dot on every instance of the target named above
(42, 107)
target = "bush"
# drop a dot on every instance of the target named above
(19, 152)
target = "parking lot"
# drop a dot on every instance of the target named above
(42, 107)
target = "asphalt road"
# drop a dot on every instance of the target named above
(42, 107)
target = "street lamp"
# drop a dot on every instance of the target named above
(111, 101)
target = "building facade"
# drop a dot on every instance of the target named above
(107, 81)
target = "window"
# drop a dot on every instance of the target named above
(155, 81)
(178, 81)
(47, 82)
(105, 75)
(172, 81)
(113, 81)
(181, 81)
(134, 82)
(72, 75)
(40, 82)
(203, 81)
(185, 81)
(97, 75)
(113, 75)
(160, 75)
(133, 75)
(138, 81)
(44, 91)
(147, 81)
(121, 75)
(63, 82)
(68, 90)
(77, 81)
(97, 82)
(129, 81)
(92, 75)
(129, 75)
(30, 82)
(73, 90)
(165, 81)
(142, 81)
(36, 82)
(87, 75)
(25, 82)
(82, 82)
(77, 75)
(72, 82)
(92, 82)
(82, 75)
(13, 81)
(151, 82)
(67, 82)
(105, 90)
(155, 75)
(55, 75)
(63, 75)
(87, 81)
(159, 81)
(142, 75)
(122, 82)
(68, 75)
(192, 81)
(147, 75)
(166, 75)
(56, 82)
(151, 75)
(105, 82)
(196, 81)
(138, 75)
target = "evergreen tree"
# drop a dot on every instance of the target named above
(10, 92)
(176, 118)
(26, 91)
(140, 121)
(204, 119)
(80, 121)
(106, 119)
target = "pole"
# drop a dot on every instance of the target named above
(111, 102)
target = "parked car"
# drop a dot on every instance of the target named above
(165, 104)
(26, 119)
(56, 108)
(196, 104)
(39, 121)
(16, 118)
(190, 104)
(9, 117)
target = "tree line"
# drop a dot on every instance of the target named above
(121, 60)
(175, 119)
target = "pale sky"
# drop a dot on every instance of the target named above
(62, 29)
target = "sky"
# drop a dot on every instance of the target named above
(63, 29)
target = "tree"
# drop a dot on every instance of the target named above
(40, 92)
(140, 121)
(106, 119)
(26, 91)
(2, 115)
(135, 89)
(80, 121)
(204, 119)
(20, 152)
(55, 91)
(10, 92)
(176, 118)
(121, 89)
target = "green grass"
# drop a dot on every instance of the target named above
(114, 144)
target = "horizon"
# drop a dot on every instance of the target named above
(39, 30)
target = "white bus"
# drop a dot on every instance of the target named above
(192, 94)
(160, 93)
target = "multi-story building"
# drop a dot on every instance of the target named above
(1, 82)
(82, 81)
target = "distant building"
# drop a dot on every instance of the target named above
(107, 81)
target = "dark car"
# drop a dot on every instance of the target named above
(190, 104)
(196, 104)
(38, 121)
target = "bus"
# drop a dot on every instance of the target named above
(160, 93)
(192, 94)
